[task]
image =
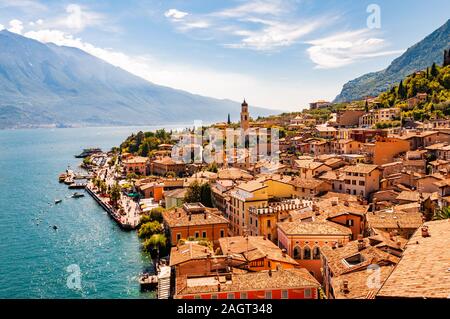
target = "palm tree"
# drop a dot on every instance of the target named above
(443, 213)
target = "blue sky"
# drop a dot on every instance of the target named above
(279, 54)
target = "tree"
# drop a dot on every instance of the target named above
(434, 71)
(157, 243)
(401, 91)
(366, 107)
(441, 214)
(205, 195)
(229, 120)
(193, 193)
(148, 229)
(156, 214)
(114, 193)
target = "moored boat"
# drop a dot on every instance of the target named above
(88, 152)
(77, 195)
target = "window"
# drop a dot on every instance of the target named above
(268, 295)
(306, 253)
(268, 223)
(353, 182)
(297, 253)
(204, 234)
(350, 222)
(284, 294)
(316, 253)
(230, 296)
(222, 233)
(308, 293)
(178, 237)
(244, 295)
(362, 183)
(197, 234)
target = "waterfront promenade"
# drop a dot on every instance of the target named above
(127, 215)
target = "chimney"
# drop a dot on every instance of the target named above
(190, 216)
(425, 232)
(361, 243)
(205, 215)
(346, 203)
(345, 289)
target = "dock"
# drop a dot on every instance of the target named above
(148, 282)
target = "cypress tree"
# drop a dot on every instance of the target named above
(229, 120)
(401, 92)
(434, 70)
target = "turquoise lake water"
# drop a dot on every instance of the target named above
(33, 256)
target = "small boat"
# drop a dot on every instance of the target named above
(77, 195)
(88, 152)
(62, 177)
(57, 201)
(55, 227)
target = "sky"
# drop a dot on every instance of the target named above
(279, 54)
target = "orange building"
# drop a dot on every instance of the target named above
(195, 220)
(256, 253)
(279, 284)
(304, 239)
(152, 190)
(387, 148)
(167, 164)
(136, 164)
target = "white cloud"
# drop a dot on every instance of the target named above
(26, 5)
(262, 25)
(260, 7)
(175, 14)
(346, 48)
(2, 27)
(15, 26)
(274, 35)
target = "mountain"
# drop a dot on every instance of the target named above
(46, 84)
(418, 57)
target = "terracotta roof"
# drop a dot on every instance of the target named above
(176, 193)
(423, 271)
(178, 217)
(383, 219)
(136, 160)
(357, 283)
(167, 161)
(261, 280)
(308, 164)
(251, 186)
(188, 251)
(233, 173)
(319, 227)
(309, 183)
(336, 257)
(253, 248)
(411, 196)
(360, 168)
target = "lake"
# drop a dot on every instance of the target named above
(37, 261)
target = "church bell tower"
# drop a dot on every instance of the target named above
(244, 116)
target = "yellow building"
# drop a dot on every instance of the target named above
(257, 194)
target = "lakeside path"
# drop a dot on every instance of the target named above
(130, 216)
